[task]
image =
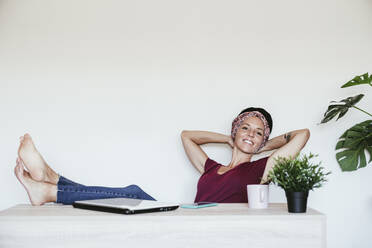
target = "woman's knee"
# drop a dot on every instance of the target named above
(135, 187)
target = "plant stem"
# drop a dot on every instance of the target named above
(363, 111)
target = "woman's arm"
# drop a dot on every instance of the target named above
(289, 144)
(192, 140)
(278, 141)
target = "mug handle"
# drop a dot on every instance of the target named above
(262, 195)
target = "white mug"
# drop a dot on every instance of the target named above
(258, 195)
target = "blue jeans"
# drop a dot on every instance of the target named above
(69, 191)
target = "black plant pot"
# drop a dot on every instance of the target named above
(297, 201)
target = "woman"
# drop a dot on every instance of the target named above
(249, 135)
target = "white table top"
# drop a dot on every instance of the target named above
(54, 210)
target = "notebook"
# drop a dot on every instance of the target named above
(125, 205)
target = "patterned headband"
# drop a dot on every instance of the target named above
(238, 121)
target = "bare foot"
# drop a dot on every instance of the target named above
(34, 162)
(38, 192)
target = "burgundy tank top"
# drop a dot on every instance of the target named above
(230, 187)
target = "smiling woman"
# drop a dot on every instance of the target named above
(249, 136)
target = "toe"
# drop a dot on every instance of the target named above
(27, 139)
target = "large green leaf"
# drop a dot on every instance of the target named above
(355, 142)
(362, 79)
(340, 108)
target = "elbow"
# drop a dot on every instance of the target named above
(184, 134)
(306, 133)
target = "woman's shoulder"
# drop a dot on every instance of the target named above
(261, 161)
(209, 164)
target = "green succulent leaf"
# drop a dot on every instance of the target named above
(362, 79)
(340, 108)
(353, 145)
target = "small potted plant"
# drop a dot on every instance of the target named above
(297, 176)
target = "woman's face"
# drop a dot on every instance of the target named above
(250, 135)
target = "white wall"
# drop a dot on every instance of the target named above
(105, 88)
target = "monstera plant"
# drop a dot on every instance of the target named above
(355, 142)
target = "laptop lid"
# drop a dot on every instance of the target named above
(125, 205)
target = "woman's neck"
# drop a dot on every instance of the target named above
(239, 157)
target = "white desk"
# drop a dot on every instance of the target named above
(227, 225)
